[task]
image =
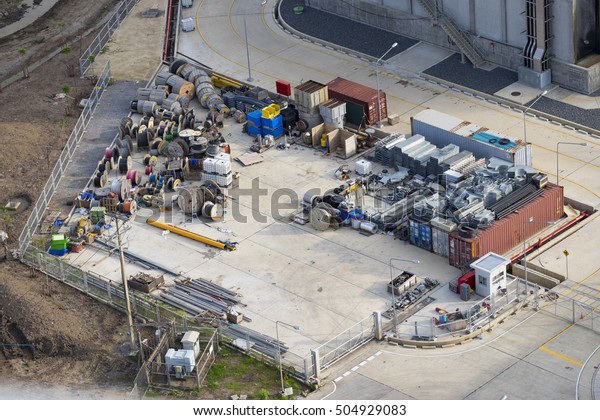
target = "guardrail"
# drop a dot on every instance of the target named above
(37, 213)
(104, 36)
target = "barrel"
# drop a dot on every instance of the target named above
(369, 227)
(157, 96)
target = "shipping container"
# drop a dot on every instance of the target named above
(507, 233)
(366, 97)
(440, 235)
(309, 95)
(420, 233)
(442, 129)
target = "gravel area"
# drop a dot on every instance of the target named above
(372, 41)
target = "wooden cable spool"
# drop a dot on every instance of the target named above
(181, 86)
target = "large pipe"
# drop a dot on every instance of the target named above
(191, 235)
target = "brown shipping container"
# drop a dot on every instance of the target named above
(507, 233)
(348, 91)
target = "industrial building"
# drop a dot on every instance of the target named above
(545, 41)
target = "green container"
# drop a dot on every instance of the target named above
(58, 241)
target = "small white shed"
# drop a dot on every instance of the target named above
(490, 273)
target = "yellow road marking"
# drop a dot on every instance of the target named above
(560, 356)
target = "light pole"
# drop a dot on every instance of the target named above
(558, 144)
(250, 79)
(525, 123)
(125, 289)
(394, 45)
(296, 327)
(393, 293)
(530, 220)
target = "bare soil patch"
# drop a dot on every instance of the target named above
(52, 335)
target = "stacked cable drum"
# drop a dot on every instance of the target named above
(218, 169)
(201, 83)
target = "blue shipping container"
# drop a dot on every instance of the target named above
(420, 234)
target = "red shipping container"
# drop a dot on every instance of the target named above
(507, 233)
(348, 91)
(283, 88)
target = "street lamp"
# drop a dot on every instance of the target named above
(393, 293)
(394, 45)
(558, 144)
(525, 123)
(250, 79)
(296, 327)
(530, 220)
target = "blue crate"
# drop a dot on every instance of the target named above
(58, 252)
(276, 133)
(255, 118)
(272, 123)
(253, 131)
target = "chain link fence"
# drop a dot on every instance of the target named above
(86, 61)
(41, 205)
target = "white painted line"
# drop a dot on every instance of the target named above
(378, 353)
(354, 368)
(339, 378)
(371, 358)
(362, 363)
(346, 373)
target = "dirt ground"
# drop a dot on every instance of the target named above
(51, 335)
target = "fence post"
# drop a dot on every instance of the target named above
(108, 289)
(316, 362)
(378, 327)
(85, 283)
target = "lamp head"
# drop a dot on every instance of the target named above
(394, 45)
(544, 92)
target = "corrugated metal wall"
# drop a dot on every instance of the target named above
(507, 233)
(349, 91)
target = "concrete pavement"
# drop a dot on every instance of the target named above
(290, 272)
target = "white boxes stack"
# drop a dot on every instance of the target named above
(218, 169)
(187, 25)
(333, 112)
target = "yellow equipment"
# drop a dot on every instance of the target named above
(229, 246)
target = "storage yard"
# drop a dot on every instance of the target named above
(224, 204)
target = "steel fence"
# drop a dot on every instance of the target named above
(479, 315)
(41, 205)
(573, 311)
(344, 343)
(105, 290)
(104, 36)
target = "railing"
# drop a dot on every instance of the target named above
(344, 343)
(37, 213)
(480, 315)
(111, 293)
(104, 36)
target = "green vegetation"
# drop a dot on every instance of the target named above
(66, 49)
(237, 373)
